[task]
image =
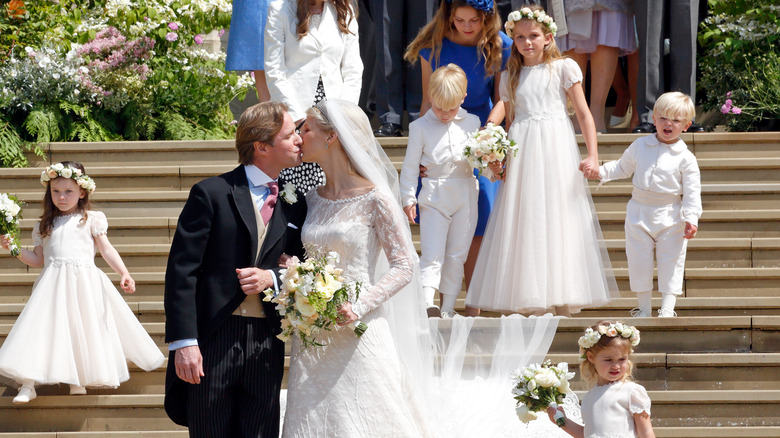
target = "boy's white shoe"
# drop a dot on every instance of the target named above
(666, 313)
(77, 390)
(26, 394)
(636, 312)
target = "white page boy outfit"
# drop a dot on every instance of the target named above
(447, 200)
(666, 194)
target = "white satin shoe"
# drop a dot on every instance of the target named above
(26, 394)
(77, 390)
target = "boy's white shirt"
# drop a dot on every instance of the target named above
(437, 146)
(660, 168)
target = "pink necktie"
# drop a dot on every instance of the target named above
(270, 202)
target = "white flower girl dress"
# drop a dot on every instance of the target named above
(76, 328)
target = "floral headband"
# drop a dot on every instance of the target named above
(60, 170)
(537, 15)
(591, 337)
(482, 5)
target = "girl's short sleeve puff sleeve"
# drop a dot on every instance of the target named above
(36, 235)
(503, 86)
(570, 73)
(98, 223)
(639, 401)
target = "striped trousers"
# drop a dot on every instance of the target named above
(243, 363)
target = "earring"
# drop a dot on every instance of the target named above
(326, 144)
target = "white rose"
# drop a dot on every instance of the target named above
(547, 378)
(531, 385)
(66, 172)
(58, 167)
(302, 305)
(626, 333)
(514, 16)
(564, 387)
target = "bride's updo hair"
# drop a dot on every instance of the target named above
(319, 113)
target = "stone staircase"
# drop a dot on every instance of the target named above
(712, 372)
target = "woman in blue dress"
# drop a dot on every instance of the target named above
(245, 42)
(467, 33)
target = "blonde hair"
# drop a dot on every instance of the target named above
(260, 122)
(675, 105)
(490, 44)
(447, 87)
(515, 62)
(588, 370)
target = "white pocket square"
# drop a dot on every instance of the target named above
(291, 225)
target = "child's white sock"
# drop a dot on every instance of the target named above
(430, 294)
(668, 301)
(645, 303)
(448, 303)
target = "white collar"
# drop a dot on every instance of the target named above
(256, 176)
(431, 117)
(678, 146)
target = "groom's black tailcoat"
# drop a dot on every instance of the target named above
(217, 233)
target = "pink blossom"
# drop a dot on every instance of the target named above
(171, 36)
(736, 110)
(726, 108)
(173, 25)
(221, 32)
(198, 39)
(728, 94)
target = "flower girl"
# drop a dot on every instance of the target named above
(543, 249)
(75, 328)
(616, 407)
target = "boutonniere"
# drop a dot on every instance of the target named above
(288, 193)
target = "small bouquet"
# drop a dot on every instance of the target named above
(538, 387)
(488, 145)
(10, 214)
(310, 296)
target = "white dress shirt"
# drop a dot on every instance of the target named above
(437, 146)
(665, 169)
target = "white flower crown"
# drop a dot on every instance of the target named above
(57, 170)
(538, 15)
(591, 337)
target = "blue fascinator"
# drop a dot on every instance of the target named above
(482, 5)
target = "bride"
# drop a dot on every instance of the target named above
(407, 376)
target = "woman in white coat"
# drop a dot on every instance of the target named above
(311, 52)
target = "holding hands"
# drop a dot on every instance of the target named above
(590, 167)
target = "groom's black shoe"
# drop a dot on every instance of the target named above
(644, 128)
(695, 127)
(388, 130)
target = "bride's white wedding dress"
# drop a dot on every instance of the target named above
(355, 386)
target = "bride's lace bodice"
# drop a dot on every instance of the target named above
(359, 228)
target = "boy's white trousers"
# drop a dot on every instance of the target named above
(654, 230)
(448, 218)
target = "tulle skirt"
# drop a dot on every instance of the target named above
(76, 329)
(543, 246)
(608, 28)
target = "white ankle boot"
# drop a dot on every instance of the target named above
(26, 394)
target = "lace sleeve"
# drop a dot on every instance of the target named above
(570, 73)
(98, 223)
(503, 86)
(36, 235)
(639, 401)
(400, 254)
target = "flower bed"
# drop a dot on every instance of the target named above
(100, 70)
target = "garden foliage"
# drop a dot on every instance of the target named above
(740, 61)
(99, 70)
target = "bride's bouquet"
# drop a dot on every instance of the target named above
(488, 145)
(10, 214)
(538, 387)
(310, 296)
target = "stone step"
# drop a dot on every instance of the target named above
(699, 282)
(705, 334)
(693, 371)
(677, 408)
(702, 334)
(125, 153)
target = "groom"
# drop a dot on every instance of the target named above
(225, 364)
